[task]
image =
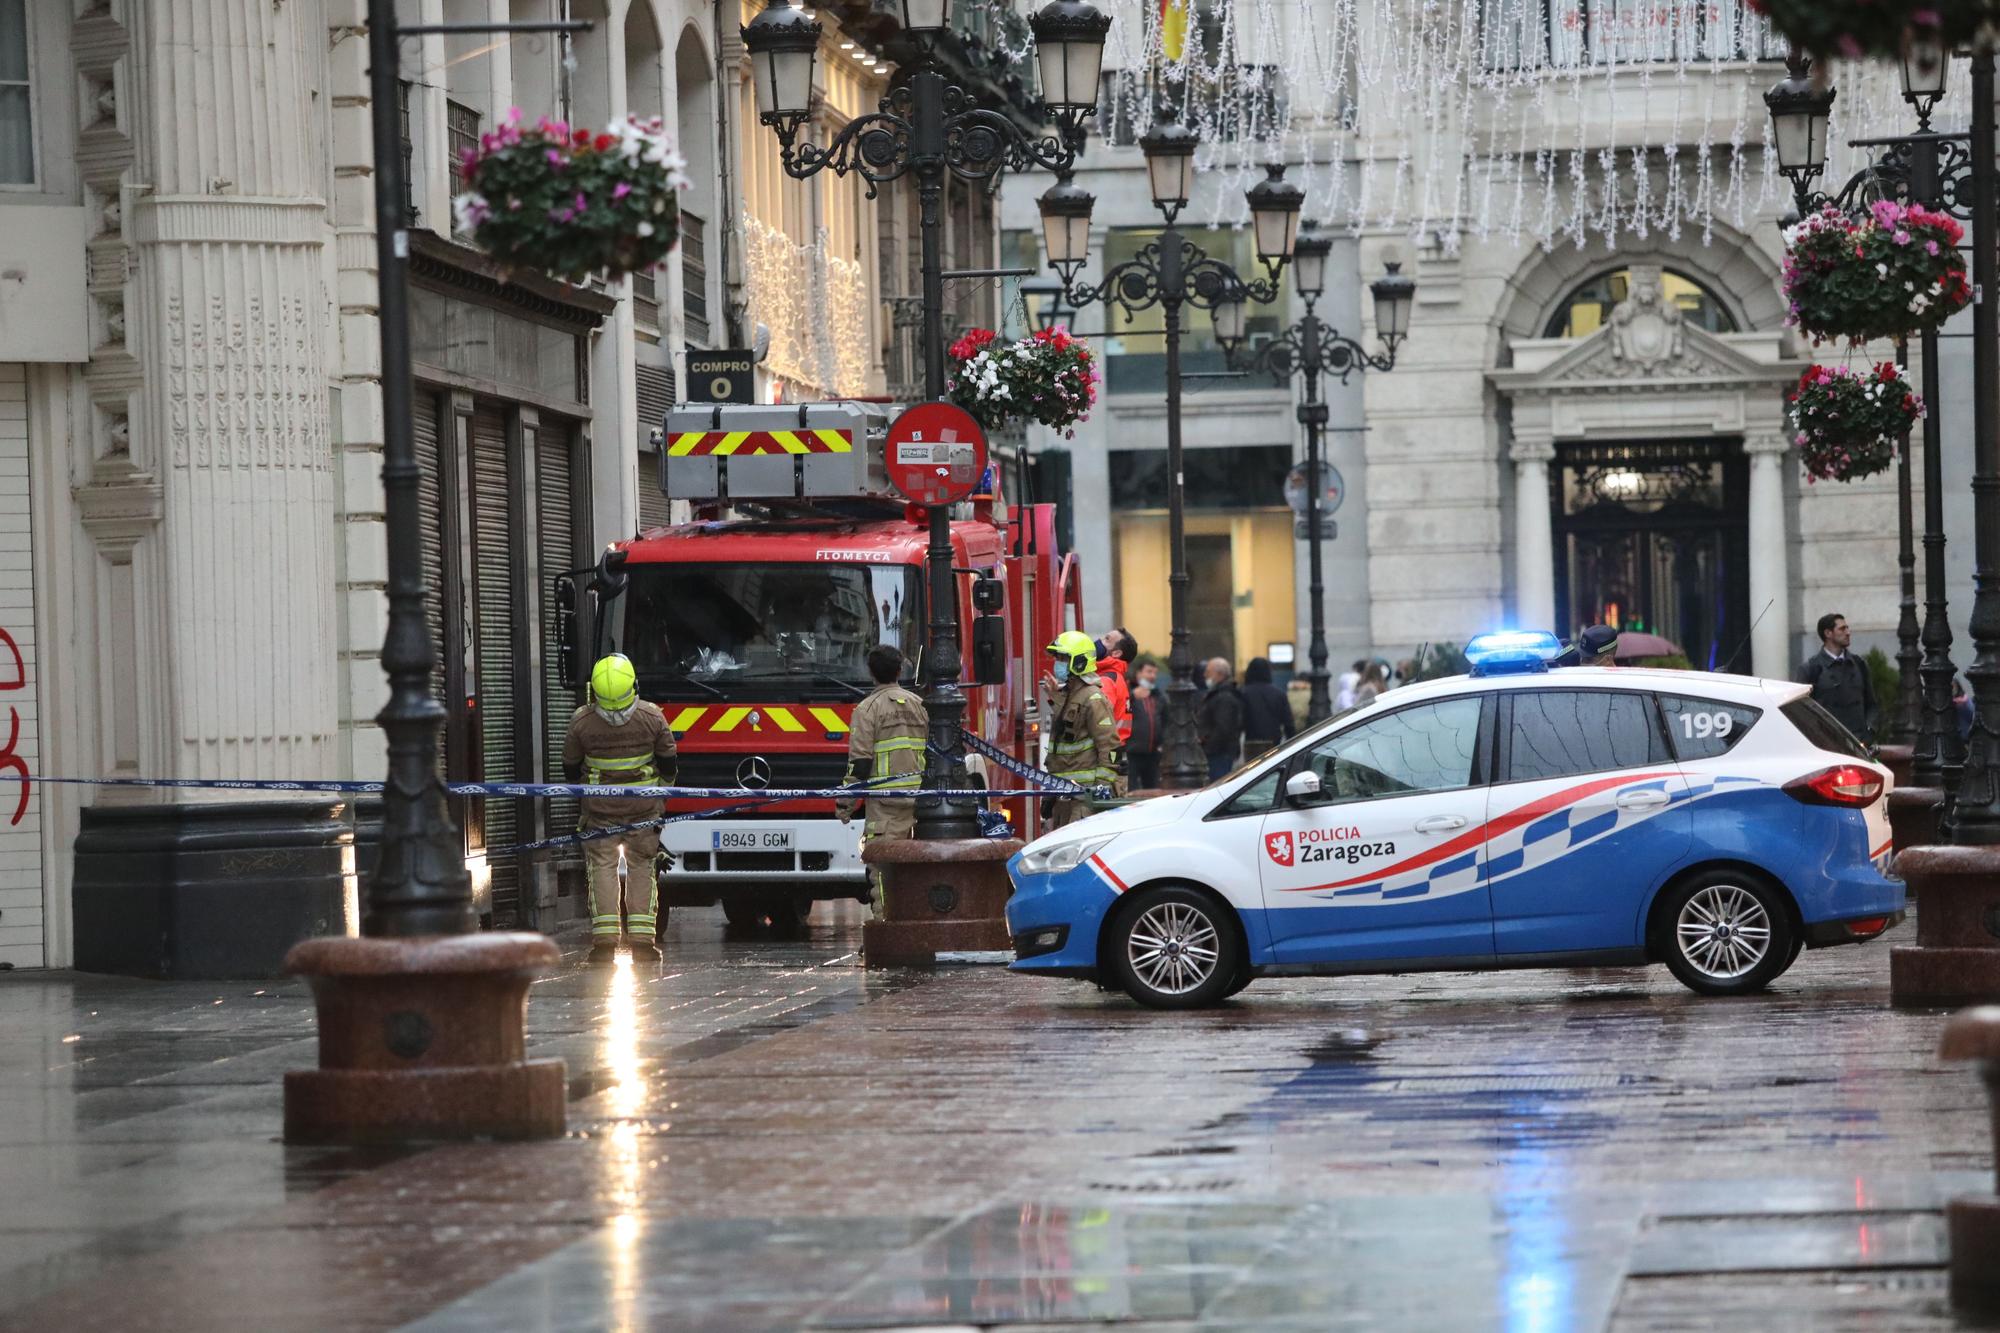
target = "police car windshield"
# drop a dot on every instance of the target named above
(786, 626)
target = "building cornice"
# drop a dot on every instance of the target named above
(446, 266)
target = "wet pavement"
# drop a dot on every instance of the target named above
(763, 1136)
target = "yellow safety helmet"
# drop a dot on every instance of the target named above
(1076, 648)
(613, 682)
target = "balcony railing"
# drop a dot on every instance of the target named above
(1239, 104)
(1571, 34)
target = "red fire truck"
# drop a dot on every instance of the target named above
(750, 627)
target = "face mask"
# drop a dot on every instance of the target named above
(1098, 647)
(1062, 672)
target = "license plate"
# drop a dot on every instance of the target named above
(752, 840)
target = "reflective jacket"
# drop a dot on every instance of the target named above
(1083, 743)
(637, 753)
(886, 741)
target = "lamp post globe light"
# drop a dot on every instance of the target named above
(1172, 273)
(932, 130)
(1309, 349)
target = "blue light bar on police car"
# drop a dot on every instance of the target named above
(1510, 652)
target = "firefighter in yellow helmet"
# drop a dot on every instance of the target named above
(885, 746)
(1083, 738)
(618, 739)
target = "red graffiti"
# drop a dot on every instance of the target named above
(9, 761)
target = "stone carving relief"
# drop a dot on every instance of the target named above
(1646, 327)
(242, 384)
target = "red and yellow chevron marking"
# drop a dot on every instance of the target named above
(737, 443)
(717, 719)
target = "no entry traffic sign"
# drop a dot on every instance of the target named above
(936, 454)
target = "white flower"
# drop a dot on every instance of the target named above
(1881, 270)
(644, 229)
(470, 210)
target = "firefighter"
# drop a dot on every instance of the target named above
(620, 739)
(1083, 740)
(885, 746)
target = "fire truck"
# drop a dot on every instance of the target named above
(750, 627)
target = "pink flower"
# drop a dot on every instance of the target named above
(1931, 248)
(621, 190)
(1902, 237)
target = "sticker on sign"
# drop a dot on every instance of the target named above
(935, 454)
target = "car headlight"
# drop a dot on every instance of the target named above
(1061, 856)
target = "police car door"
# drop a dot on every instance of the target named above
(1384, 862)
(1588, 814)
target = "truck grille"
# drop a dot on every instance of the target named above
(789, 772)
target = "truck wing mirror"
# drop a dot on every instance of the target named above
(1302, 788)
(989, 650)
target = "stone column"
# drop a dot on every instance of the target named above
(231, 325)
(1770, 585)
(1534, 540)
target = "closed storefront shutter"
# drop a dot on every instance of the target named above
(21, 926)
(555, 466)
(496, 600)
(656, 395)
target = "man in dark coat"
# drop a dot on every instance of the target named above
(1839, 679)
(1267, 713)
(1218, 716)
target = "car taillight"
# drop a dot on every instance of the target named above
(1844, 784)
(1867, 928)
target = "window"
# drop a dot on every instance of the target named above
(1704, 728)
(1426, 748)
(461, 132)
(1590, 305)
(1567, 34)
(694, 278)
(1249, 477)
(1260, 797)
(1134, 351)
(1557, 733)
(17, 112)
(1823, 729)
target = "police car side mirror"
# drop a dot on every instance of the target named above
(1302, 788)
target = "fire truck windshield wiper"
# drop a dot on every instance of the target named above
(678, 681)
(848, 685)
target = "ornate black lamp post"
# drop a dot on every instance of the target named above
(932, 130)
(1172, 273)
(1309, 348)
(1933, 170)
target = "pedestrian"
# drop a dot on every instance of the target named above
(1267, 713)
(618, 739)
(1219, 719)
(1839, 679)
(1350, 681)
(885, 749)
(1083, 739)
(1596, 646)
(1142, 747)
(1374, 680)
(1113, 662)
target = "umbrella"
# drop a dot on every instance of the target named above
(1632, 643)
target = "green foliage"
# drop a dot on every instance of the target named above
(1670, 662)
(1851, 29)
(1893, 273)
(1887, 682)
(571, 203)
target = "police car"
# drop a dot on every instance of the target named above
(1513, 817)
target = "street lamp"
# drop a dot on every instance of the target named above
(1799, 116)
(1171, 273)
(1309, 348)
(933, 130)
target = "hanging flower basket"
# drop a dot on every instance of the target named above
(1849, 422)
(1893, 274)
(1853, 29)
(1049, 378)
(572, 203)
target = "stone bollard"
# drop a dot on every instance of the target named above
(1898, 759)
(1972, 1224)
(1913, 816)
(424, 1039)
(938, 897)
(1956, 959)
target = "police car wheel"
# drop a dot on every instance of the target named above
(1726, 933)
(1173, 948)
(1242, 978)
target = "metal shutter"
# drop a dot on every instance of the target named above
(495, 600)
(430, 500)
(556, 526)
(656, 395)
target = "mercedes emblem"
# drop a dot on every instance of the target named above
(754, 772)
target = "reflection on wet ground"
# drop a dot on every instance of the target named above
(766, 1137)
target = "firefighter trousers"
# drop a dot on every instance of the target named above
(642, 890)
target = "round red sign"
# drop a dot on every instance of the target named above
(936, 453)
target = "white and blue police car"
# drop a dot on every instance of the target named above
(1513, 817)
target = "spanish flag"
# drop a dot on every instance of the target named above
(1173, 28)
